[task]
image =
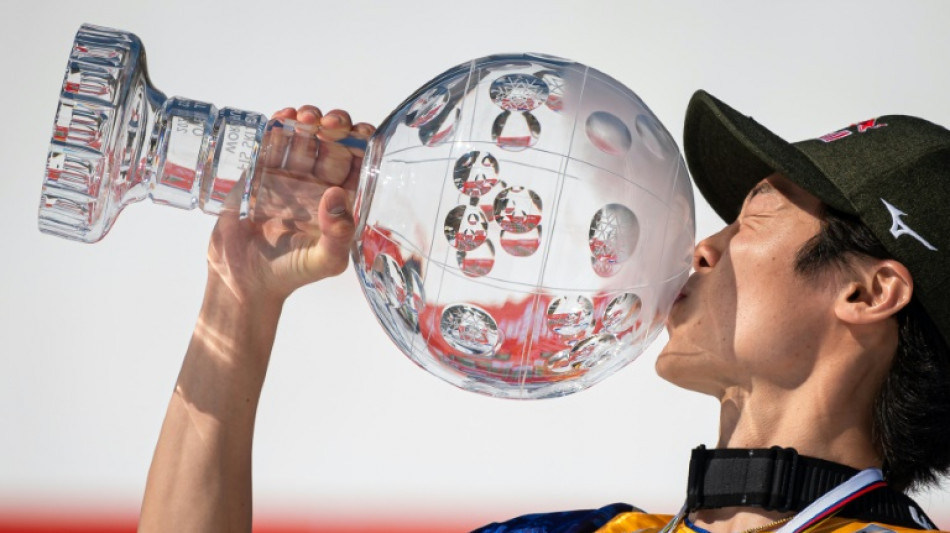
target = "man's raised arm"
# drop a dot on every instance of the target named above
(200, 477)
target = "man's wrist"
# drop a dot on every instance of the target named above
(237, 328)
(226, 299)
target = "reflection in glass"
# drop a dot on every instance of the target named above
(521, 244)
(605, 268)
(622, 313)
(440, 129)
(608, 133)
(592, 351)
(517, 210)
(570, 316)
(648, 130)
(469, 330)
(614, 232)
(476, 173)
(555, 83)
(477, 262)
(515, 131)
(389, 281)
(518, 92)
(415, 299)
(466, 228)
(427, 106)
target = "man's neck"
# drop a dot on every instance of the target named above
(822, 423)
(818, 421)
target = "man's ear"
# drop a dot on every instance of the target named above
(874, 290)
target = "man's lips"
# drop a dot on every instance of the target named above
(684, 292)
(676, 309)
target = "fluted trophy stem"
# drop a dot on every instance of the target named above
(200, 153)
(117, 140)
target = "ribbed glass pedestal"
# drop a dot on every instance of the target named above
(117, 140)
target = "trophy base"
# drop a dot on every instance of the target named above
(117, 140)
(105, 113)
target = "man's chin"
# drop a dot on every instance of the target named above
(682, 367)
(666, 365)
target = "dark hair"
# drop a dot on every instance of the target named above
(911, 419)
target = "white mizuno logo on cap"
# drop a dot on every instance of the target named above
(898, 227)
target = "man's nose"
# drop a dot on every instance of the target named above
(709, 251)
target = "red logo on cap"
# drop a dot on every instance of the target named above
(868, 125)
(861, 127)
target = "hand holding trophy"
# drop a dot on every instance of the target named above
(522, 222)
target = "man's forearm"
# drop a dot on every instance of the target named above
(200, 478)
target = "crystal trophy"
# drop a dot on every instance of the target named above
(524, 222)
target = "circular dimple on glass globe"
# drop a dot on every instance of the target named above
(519, 258)
(605, 268)
(521, 244)
(570, 316)
(584, 355)
(415, 297)
(561, 362)
(608, 133)
(647, 130)
(476, 173)
(466, 227)
(441, 129)
(469, 330)
(517, 210)
(518, 92)
(555, 83)
(594, 350)
(427, 106)
(487, 201)
(389, 281)
(622, 313)
(515, 131)
(477, 262)
(614, 232)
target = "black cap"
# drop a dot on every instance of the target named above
(892, 172)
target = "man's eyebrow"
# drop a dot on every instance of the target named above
(761, 187)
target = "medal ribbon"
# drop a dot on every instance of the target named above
(827, 505)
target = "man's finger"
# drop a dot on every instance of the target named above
(287, 112)
(337, 119)
(302, 151)
(364, 129)
(309, 114)
(337, 228)
(335, 125)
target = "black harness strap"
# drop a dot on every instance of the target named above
(779, 479)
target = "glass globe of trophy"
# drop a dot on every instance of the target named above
(524, 222)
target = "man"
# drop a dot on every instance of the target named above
(817, 317)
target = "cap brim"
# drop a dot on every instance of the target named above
(728, 153)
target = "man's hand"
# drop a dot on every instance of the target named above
(302, 224)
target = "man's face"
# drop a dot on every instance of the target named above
(745, 314)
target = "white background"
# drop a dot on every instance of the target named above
(93, 335)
